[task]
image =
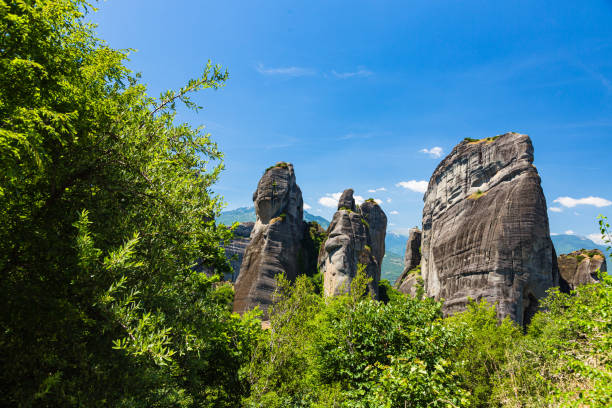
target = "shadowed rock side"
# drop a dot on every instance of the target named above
(355, 236)
(485, 229)
(406, 283)
(275, 239)
(580, 268)
(234, 251)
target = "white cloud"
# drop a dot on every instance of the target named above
(555, 209)
(374, 190)
(360, 73)
(569, 232)
(414, 185)
(331, 199)
(596, 238)
(435, 152)
(388, 200)
(328, 202)
(552, 234)
(286, 71)
(394, 212)
(378, 201)
(572, 202)
(307, 207)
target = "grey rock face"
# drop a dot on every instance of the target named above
(275, 240)
(485, 229)
(412, 259)
(580, 268)
(346, 200)
(353, 240)
(376, 221)
(234, 251)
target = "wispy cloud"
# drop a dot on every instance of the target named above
(570, 202)
(356, 136)
(394, 212)
(555, 209)
(596, 238)
(597, 76)
(285, 71)
(389, 200)
(569, 232)
(360, 73)
(435, 152)
(374, 190)
(307, 207)
(414, 185)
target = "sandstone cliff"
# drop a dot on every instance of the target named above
(355, 236)
(580, 268)
(275, 241)
(407, 281)
(485, 228)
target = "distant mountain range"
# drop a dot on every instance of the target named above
(395, 244)
(246, 214)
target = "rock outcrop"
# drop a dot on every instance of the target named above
(407, 281)
(355, 236)
(275, 241)
(485, 229)
(234, 251)
(580, 268)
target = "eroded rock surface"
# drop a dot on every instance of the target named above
(485, 229)
(275, 241)
(580, 267)
(355, 236)
(407, 281)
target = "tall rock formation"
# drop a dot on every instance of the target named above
(355, 236)
(275, 241)
(485, 228)
(580, 268)
(407, 281)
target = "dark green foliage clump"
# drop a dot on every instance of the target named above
(282, 165)
(364, 222)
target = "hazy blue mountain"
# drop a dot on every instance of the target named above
(568, 243)
(244, 214)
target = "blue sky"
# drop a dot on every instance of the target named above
(372, 94)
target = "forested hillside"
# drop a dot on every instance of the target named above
(105, 208)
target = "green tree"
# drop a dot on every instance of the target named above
(105, 204)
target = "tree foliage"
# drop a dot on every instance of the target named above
(105, 204)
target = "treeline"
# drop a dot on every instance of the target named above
(105, 205)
